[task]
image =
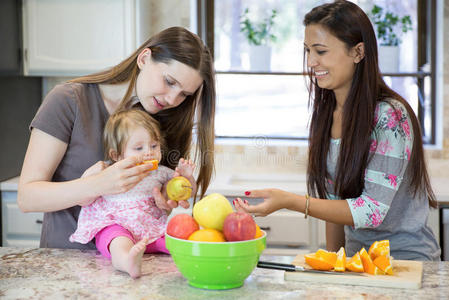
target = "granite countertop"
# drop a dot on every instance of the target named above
(56, 274)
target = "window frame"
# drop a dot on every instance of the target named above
(426, 53)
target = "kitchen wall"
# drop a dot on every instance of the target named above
(169, 13)
(264, 156)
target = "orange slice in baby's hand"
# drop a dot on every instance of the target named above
(318, 263)
(155, 163)
(384, 263)
(368, 264)
(340, 263)
(379, 248)
(355, 263)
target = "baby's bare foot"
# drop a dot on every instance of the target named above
(134, 260)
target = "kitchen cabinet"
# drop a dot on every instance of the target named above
(18, 229)
(285, 228)
(78, 37)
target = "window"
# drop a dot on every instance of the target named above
(268, 97)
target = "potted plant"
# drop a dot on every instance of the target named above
(389, 28)
(259, 36)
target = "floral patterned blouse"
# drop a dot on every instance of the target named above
(387, 209)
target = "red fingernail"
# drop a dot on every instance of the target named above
(246, 202)
(233, 201)
(247, 193)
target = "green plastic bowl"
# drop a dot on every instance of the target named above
(216, 266)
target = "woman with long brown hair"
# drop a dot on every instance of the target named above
(365, 146)
(171, 76)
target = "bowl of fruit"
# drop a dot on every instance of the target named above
(217, 248)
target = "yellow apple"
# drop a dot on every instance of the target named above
(211, 211)
(179, 188)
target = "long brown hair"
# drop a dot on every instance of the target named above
(350, 24)
(177, 124)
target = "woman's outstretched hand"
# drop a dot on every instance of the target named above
(274, 199)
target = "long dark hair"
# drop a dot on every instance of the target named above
(351, 25)
(176, 43)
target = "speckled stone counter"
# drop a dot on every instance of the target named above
(74, 274)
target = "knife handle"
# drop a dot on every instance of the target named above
(276, 266)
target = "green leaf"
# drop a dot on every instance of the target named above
(258, 33)
(388, 25)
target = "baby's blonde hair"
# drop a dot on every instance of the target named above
(117, 130)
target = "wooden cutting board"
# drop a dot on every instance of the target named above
(407, 275)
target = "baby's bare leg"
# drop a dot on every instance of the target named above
(127, 256)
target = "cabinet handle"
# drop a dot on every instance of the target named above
(39, 221)
(268, 228)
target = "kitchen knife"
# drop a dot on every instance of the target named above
(293, 268)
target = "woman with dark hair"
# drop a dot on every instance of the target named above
(171, 77)
(365, 146)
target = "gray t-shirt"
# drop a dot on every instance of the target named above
(387, 208)
(75, 114)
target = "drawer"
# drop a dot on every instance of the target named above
(285, 228)
(18, 223)
(21, 243)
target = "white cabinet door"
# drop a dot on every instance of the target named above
(78, 37)
(18, 229)
(285, 228)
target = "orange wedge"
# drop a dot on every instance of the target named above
(340, 263)
(379, 248)
(355, 264)
(318, 263)
(368, 264)
(330, 257)
(384, 263)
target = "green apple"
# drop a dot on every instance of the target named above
(211, 211)
(179, 188)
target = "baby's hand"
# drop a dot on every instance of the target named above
(185, 168)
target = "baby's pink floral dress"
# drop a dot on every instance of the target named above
(134, 210)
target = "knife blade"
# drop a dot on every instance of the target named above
(294, 268)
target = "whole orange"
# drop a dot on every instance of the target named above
(207, 235)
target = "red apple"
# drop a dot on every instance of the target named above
(182, 226)
(239, 226)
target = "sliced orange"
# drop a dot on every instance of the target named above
(384, 263)
(318, 263)
(355, 264)
(207, 235)
(155, 163)
(340, 263)
(368, 264)
(330, 257)
(379, 248)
